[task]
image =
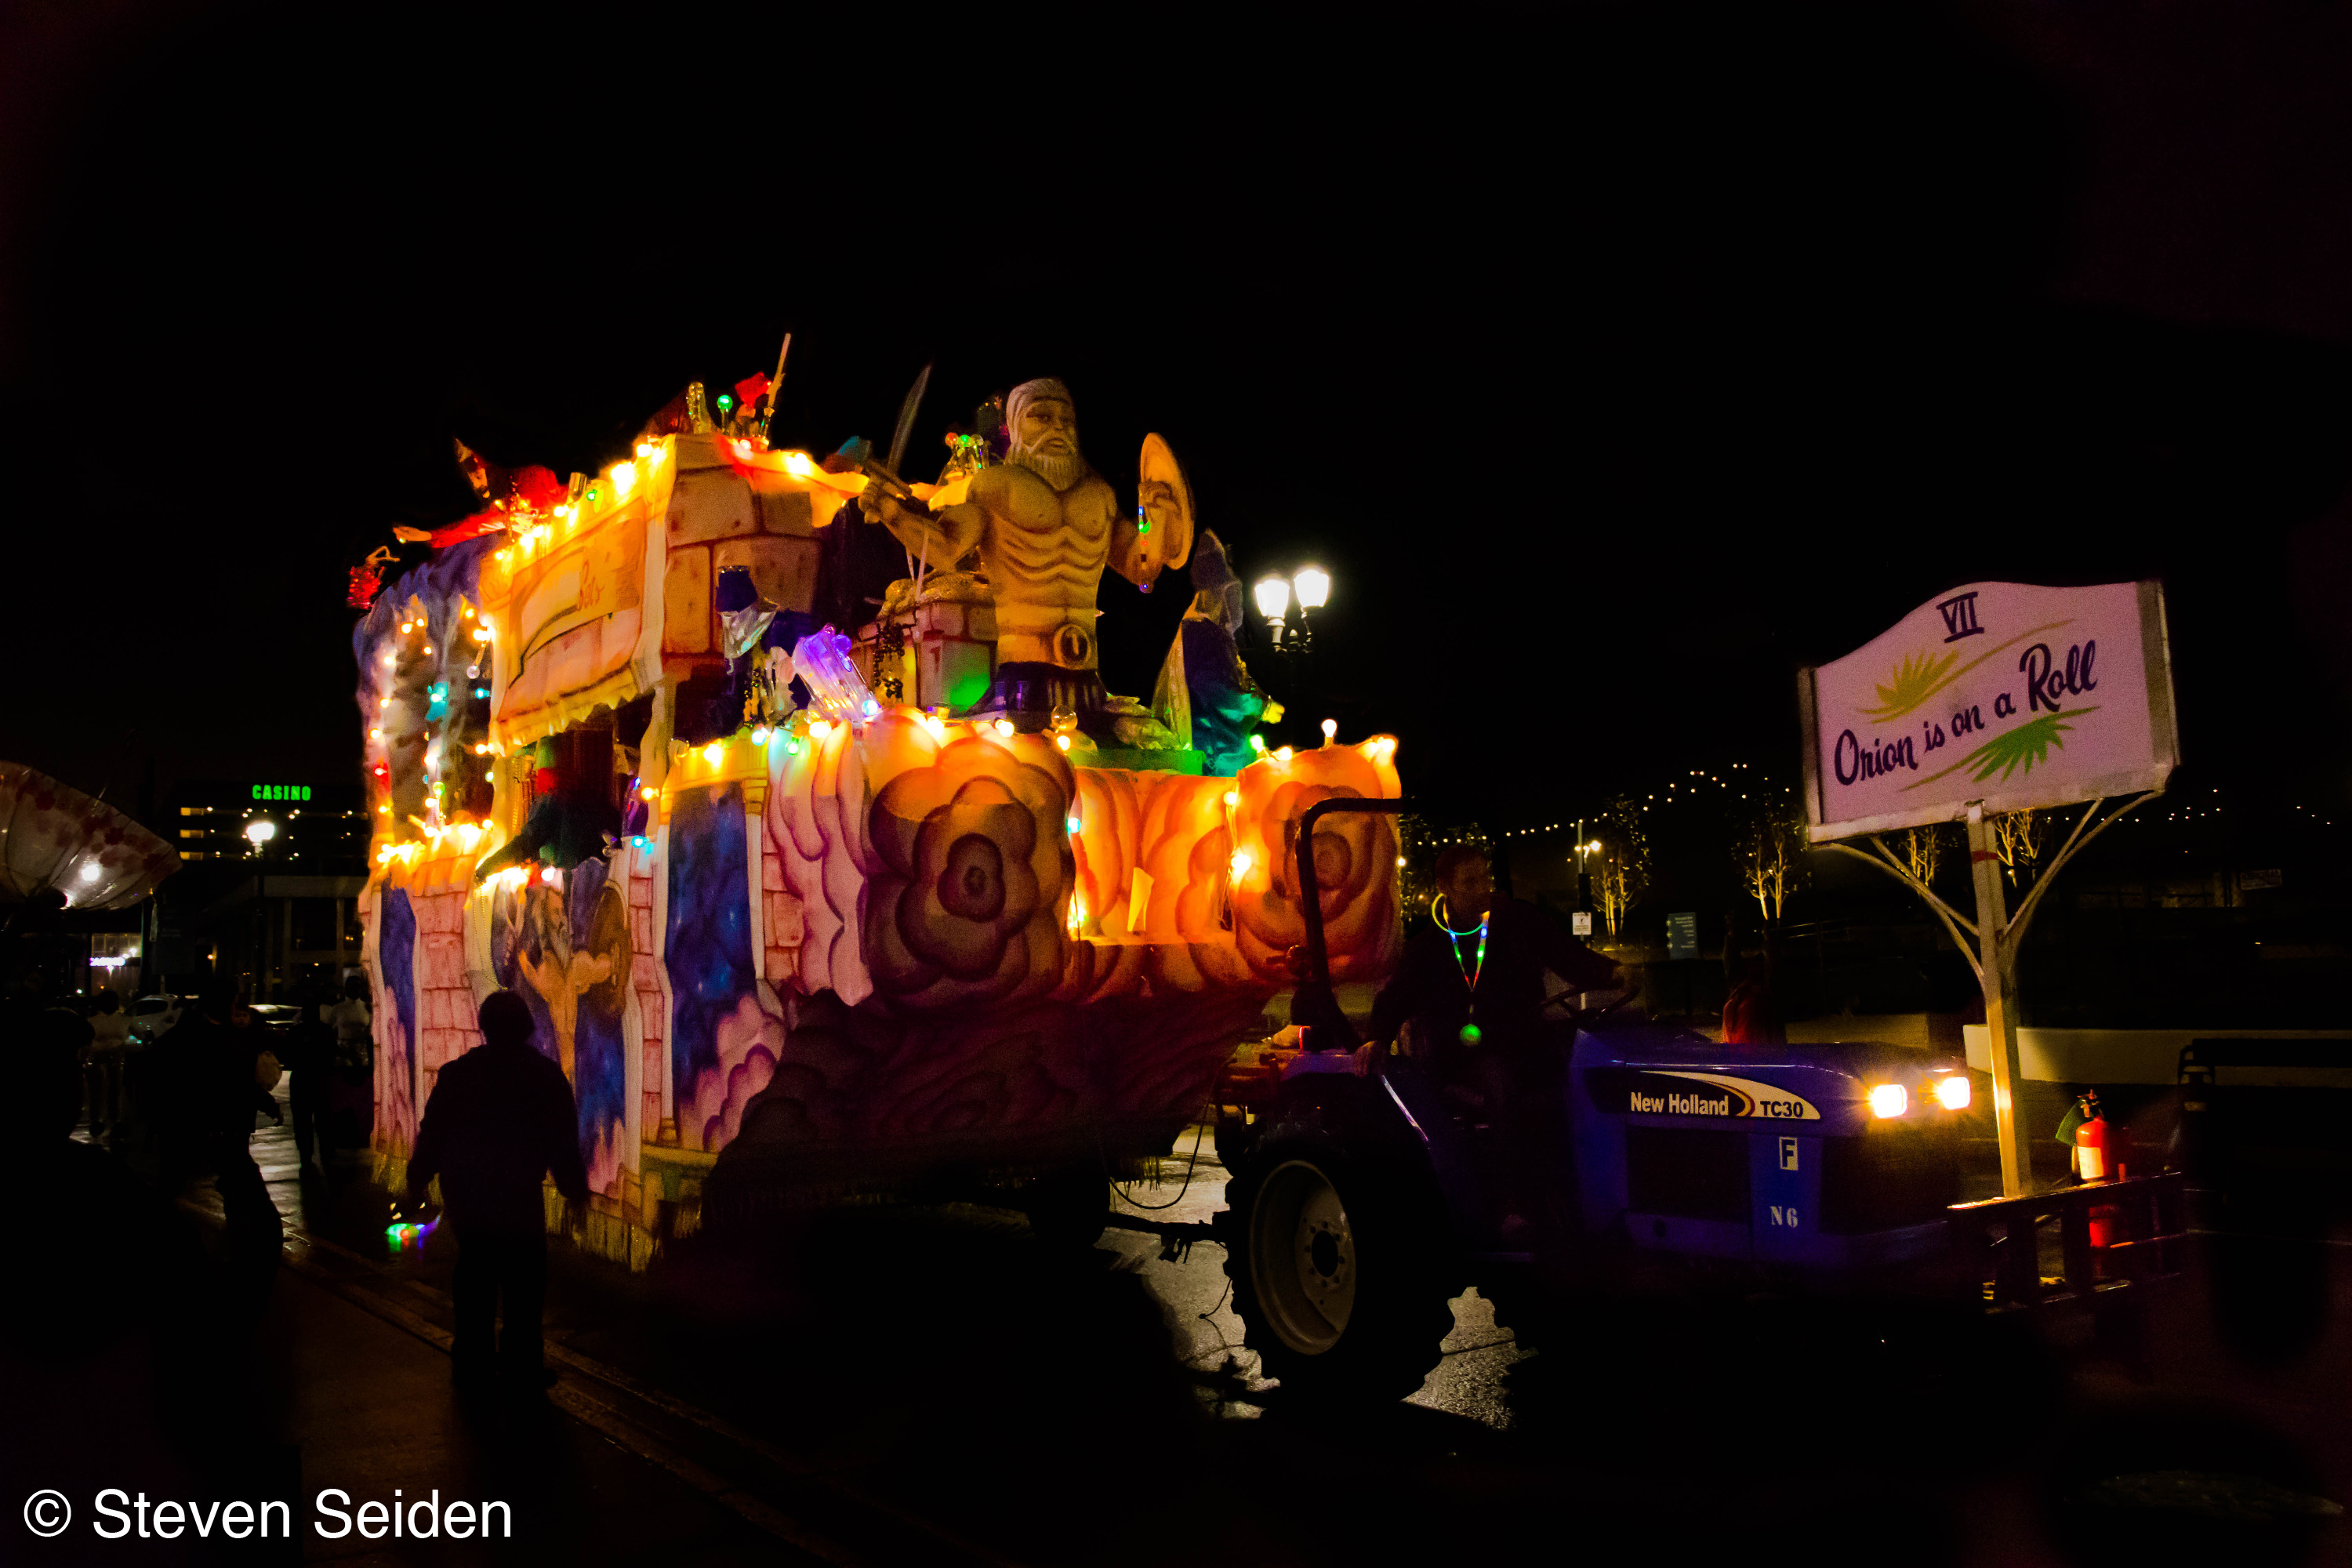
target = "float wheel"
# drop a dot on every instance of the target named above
(1330, 1258)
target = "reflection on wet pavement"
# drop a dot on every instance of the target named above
(274, 1151)
(1469, 1381)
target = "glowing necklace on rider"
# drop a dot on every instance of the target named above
(1471, 971)
(1476, 966)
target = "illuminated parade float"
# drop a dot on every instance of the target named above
(830, 908)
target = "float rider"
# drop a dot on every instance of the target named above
(1472, 984)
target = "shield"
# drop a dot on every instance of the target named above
(1161, 535)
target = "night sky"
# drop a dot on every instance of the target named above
(1614, 362)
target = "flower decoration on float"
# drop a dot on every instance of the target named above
(973, 851)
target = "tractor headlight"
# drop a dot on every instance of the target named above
(1887, 1099)
(1952, 1093)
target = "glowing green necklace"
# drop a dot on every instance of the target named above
(1471, 971)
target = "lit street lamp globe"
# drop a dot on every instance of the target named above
(1273, 598)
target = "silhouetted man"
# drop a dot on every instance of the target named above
(107, 1335)
(501, 1116)
(208, 1094)
(307, 1051)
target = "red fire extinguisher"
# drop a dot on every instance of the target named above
(2090, 1148)
(2095, 1162)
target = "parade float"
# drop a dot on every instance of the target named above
(818, 907)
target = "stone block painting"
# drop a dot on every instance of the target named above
(725, 1041)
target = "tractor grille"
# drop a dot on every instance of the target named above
(1885, 1181)
(1690, 1173)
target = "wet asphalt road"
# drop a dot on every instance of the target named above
(1026, 1404)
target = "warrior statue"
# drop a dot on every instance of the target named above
(1046, 525)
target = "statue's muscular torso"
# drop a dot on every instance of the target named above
(1044, 552)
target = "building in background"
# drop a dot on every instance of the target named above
(270, 870)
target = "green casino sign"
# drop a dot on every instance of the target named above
(281, 792)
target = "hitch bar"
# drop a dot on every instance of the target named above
(1176, 1236)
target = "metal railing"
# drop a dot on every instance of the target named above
(2003, 1238)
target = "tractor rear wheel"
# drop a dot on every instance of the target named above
(1331, 1258)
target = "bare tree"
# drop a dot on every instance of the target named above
(2019, 838)
(1625, 862)
(1771, 854)
(1923, 851)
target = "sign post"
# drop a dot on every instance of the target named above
(1995, 698)
(1999, 977)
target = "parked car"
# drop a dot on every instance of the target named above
(277, 1017)
(153, 1016)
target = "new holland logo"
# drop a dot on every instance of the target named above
(1681, 1091)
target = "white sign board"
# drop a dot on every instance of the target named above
(2002, 694)
(1580, 924)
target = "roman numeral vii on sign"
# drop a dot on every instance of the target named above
(1960, 616)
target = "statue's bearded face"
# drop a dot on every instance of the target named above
(1047, 442)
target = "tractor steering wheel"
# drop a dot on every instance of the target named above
(1585, 1017)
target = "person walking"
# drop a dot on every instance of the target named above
(500, 1118)
(351, 1084)
(306, 1052)
(353, 1024)
(109, 1039)
(204, 1071)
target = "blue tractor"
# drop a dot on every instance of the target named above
(1361, 1204)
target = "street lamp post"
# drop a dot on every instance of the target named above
(1311, 586)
